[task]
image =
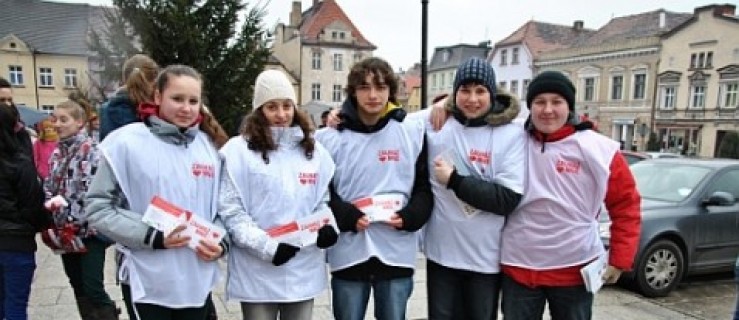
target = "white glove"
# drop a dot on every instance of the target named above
(55, 203)
(611, 274)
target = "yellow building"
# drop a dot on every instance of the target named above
(698, 82)
(44, 61)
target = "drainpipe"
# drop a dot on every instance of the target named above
(34, 52)
(653, 111)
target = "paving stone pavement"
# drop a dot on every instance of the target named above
(52, 299)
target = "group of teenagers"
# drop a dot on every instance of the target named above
(495, 206)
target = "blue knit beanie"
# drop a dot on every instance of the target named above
(475, 70)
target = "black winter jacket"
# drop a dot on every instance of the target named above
(22, 212)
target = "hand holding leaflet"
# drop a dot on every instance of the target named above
(302, 232)
(592, 273)
(166, 217)
(380, 208)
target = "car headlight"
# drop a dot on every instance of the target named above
(604, 229)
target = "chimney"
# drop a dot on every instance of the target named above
(578, 25)
(662, 19)
(296, 14)
(726, 10)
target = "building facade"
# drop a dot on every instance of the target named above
(513, 57)
(614, 70)
(319, 46)
(45, 61)
(698, 82)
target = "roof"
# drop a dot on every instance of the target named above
(542, 36)
(47, 27)
(456, 54)
(323, 13)
(635, 26)
(412, 81)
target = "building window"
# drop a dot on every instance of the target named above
(640, 86)
(315, 91)
(442, 82)
(667, 98)
(16, 75)
(525, 88)
(701, 60)
(316, 61)
(357, 57)
(698, 96)
(70, 78)
(503, 57)
(502, 85)
(46, 78)
(434, 84)
(338, 62)
(336, 93)
(514, 87)
(514, 56)
(729, 92)
(48, 108)
(617, 87)
(589, 89)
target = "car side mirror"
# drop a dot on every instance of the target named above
(719, 198)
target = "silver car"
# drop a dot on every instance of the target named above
(690, 221)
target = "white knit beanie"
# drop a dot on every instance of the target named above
(272, 84)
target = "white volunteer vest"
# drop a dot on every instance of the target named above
(457, 235)
(370, 164)
(556, 226)
(146, 166)
(289, 187)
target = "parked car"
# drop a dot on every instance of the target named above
(690, 221)
(634, 156)
(660, 155)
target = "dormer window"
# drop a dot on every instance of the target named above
(445, 56)
(12, 45)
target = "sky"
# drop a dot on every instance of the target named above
(394, 26)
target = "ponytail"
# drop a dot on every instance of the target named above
(212, 128)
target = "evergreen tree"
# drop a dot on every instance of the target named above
(203, 34)
(729, 147)
(111, 46)
(653, 142)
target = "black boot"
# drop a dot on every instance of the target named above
(86, 308)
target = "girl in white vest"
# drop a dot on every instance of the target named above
(172, 155)
(274, 174)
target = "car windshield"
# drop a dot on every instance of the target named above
(667, 181)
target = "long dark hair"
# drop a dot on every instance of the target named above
(259, 136)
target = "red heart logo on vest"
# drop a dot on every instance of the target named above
(302, 181)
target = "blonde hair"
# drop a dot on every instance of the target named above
(139, 74)
(75, 109)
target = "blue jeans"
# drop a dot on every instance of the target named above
(391, 298)
(16, 275)
(455, 294)
(565, 303)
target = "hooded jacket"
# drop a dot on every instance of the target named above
(117, 112)
(414, 214)
(491, 197)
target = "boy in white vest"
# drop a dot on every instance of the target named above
(274, 174)
(173, 155)
(571, 172)
(478, 161)
(380, 196)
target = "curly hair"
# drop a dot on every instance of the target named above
(379, 69)
(259, 137)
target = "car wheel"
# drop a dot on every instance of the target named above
(660, 269)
